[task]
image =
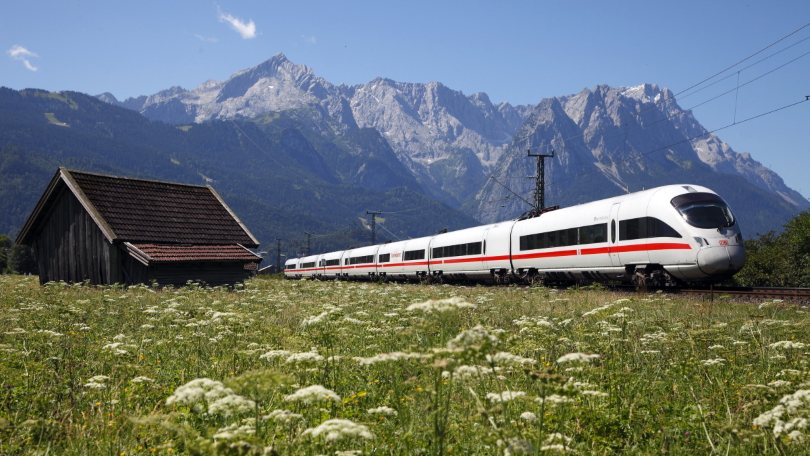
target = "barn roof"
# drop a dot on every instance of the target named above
(158, 253)
(145, 211)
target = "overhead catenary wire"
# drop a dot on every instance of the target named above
(648, 125)
(634, 157)
(688, 88)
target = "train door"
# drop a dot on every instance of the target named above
(613, 235)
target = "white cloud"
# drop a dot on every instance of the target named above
(246, 29)
(308, 39)
(213, 39)
(18, 52)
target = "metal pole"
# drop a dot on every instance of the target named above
(309, 242)
(373, 225)
(278, 255)
(540, 180)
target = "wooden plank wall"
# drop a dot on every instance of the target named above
(71, 247)
(212, 273)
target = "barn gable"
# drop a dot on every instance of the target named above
(108, 229)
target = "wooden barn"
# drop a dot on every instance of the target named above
(108, 229)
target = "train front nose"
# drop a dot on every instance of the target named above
(726, 259)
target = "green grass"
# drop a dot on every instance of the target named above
(651, 390)
(52, 119)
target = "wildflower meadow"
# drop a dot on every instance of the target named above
(279, 367)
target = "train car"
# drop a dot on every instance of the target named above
(405, 260)
(460, 255)
(331, 264)
(290, 269)
(656, 237)
(360, 263)
(308, 266)
(664, 236)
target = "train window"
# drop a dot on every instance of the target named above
(706, 213)
(631, 229)
(384, 258)
(332, 262)
(307, 265)
(414, 255)
(563, 238)
(645, 228)
(613, 231)
(593, 234)
(573, 236)
(291, 266)
(657, 228)
(365, 259)
(346, 261)
(472, 248)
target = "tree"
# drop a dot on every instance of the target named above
(5, 245)
(21, 259)
(779, 260)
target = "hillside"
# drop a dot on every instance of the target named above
(280, 178)
(449, 141)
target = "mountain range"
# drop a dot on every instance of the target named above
(449, 140)
(298, 153)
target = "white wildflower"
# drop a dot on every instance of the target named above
(471, 338)
(283, 416)
(716, 347)
(713, 362)
(779, 383)
(787, 344)
(554, 399)
(320, 318)
(141, 379)
(336, 429)
(348, 453)
(383, 410)
(516, 446)
(231, 404)
(312, 394)
(50, 333)
(94, 385)
(273, 354)
(304, 358)
(508, 358)
(386, 357)
(98, 379)
(577, 358)
(528, 416)
(505, 396)
(198, 390)
(594, 393)
(245, 428)
(441, 305)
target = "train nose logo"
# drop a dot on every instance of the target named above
(724, 242)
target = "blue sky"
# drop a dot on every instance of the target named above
(516, 51)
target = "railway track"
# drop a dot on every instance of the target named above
(787, 294)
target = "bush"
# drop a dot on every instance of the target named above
(21, 260)
(779, 260)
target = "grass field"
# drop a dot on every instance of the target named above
(314, 368)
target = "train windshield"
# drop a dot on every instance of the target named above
(704, 210)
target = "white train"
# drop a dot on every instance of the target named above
(658, 237)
